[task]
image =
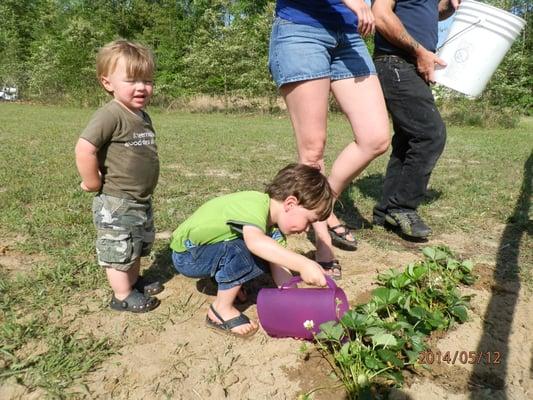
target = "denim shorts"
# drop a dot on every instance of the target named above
(230, 263)
(124, 231)
(302, 52)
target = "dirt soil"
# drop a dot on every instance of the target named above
(169, 353)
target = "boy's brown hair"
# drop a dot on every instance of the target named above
(307, 184)
(138, 58)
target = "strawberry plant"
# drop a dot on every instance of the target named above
(374, 342)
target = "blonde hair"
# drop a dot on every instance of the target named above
(138, 59)
(307, 184)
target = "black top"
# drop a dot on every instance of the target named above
(420, 18)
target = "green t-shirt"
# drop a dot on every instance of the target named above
(222, 218)
(127, 153)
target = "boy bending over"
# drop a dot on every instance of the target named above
(116, 157)
(237, 237)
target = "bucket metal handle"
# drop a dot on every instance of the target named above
(291, 283)
(472, 25)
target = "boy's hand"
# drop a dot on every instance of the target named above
(313, 274)
(88, 189)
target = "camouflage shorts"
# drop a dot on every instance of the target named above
(125, 231)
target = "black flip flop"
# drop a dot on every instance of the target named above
(147, 287)
(333, 267)
(136, 302)
(226, 326)
(340, 240)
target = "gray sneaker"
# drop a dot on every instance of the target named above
(409, 223)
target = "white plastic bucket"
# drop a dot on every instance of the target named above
(478, 39)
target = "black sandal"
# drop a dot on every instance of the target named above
(136, 302)
(340, 240)
(333, 268)
(227, 326)
(147, 287)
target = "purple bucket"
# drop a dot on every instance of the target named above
(283, 311)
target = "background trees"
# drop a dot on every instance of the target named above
(213, 47)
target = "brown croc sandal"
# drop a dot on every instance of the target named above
(333, 269)
(136, 302)
(340, 239)
(147, 287)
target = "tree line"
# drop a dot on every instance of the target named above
(212, 47)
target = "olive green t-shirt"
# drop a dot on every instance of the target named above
(223, 218)
(127, 153)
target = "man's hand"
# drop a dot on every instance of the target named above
(447, 8)
(425, 64)
(313, 274)
(365, 18)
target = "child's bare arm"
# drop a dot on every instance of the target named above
(280, 274)
(268, 249)
(87, 164)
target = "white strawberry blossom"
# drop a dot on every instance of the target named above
(309, 324)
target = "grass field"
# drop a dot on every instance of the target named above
(47, 262)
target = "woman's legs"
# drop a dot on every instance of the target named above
(361, 100)
(307, 103)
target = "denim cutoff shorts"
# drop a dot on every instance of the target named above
(124, 231)
(301, 52)
(230, 263)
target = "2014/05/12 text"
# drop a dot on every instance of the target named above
(460, 357)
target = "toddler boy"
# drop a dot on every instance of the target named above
(116, 156)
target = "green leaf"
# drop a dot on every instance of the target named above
(332, 330)
(417, 342)
(410, 269)
(384, 339)
(372, 362)
(460, 312)
(467, 265)
(355, 321)
(388, 275)
(468, 279)
(419, 271)
(375, 330)
(412, 355)
(440, 254)
(452, 264)
(418, 312)
(385, 295)
(390, 357)
(429, 252)
(395, 376)
(437, 320)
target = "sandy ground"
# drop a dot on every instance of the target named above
(169, 353)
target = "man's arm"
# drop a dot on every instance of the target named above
(268, 249)
(392, 29)
(447, 8)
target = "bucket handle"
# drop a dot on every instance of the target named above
(472, 25)
(291, 283)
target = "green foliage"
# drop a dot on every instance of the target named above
(202, 47)
(460, 111)
(375, 341)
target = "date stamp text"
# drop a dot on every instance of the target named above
(459, 357)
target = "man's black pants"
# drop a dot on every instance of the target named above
(419, 135)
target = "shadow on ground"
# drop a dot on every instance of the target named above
(497, 332)
(161, 268)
